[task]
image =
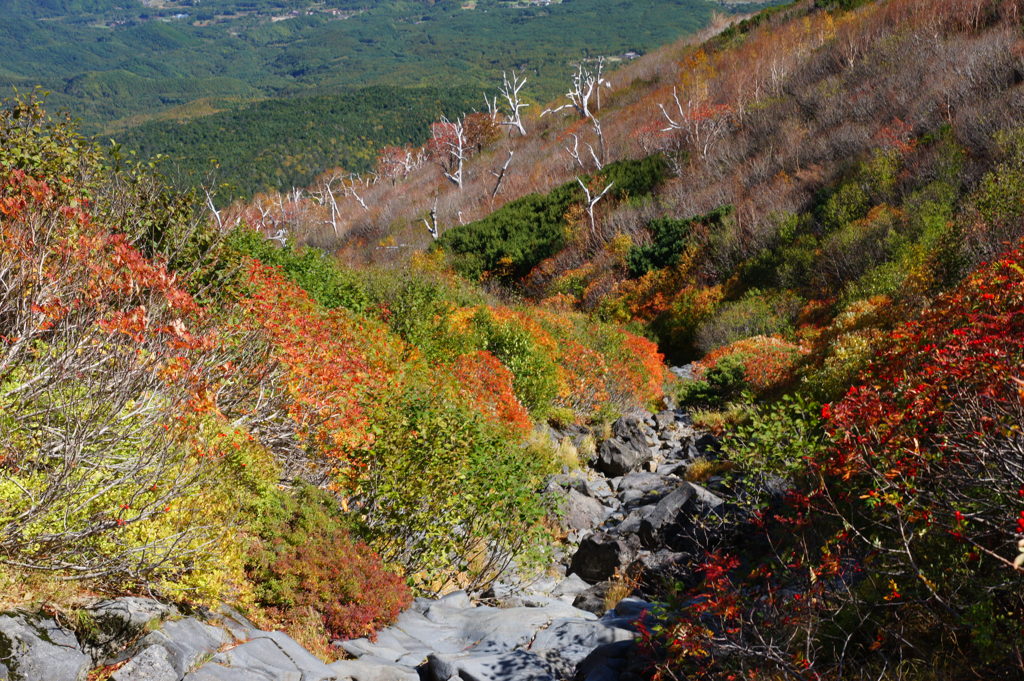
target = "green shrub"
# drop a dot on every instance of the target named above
(635, 178)
(757, 313)
(419, 310)
(777, 439)
(511, 240)
(669, 238)
(719, 384)
(446, 494)
(534, 374)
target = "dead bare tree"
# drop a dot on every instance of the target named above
(702, 123)
(500, 173)
(585, 91)
(592, 201)
(449, 147)
(510, 88)
(577, 156)
(430, 222)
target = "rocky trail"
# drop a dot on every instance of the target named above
(630, 513)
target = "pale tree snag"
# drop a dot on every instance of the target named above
(578, 157)
(702, 123)
(213, 210)
(510, 91)
(592, 201)
(500, 174)
(585, 92)
(448, 145)
(431, 221)
(493, 111)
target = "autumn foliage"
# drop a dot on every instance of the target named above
(485, 382)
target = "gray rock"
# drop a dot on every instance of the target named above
(36, 648)
(372, 669)
(644, 482)
(592, 600)
(654, 525)
(570, 587)
(604, 662)
(707, 445)
(581, 512)
(456, 599)
(664, 419)
(632, 607)
(121, 620)
(685, 372)
(600, 555)
(361, 647)
(706, 499)
(152, 664)
(237, 624)
(497, 630)
(519, 665)
(275, 653)
(216, 672)
(567, 642)
(425, 635)
(662, 562)
(630, 525)
(598, 489)
(188, 642)
(627, 451)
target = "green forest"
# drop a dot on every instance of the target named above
(284, 143)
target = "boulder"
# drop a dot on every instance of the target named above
(593, 599)
(569, 587)
(604, 662)
(708, 500)
(707, 445)
(276, 655)
(654, 525)
(152, 664)
(581, 512)
(664, 419)
(567, 642)
(36, 648)
(600, 555)
(216, 672)
(627, 450)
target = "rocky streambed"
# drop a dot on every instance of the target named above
(631, 513)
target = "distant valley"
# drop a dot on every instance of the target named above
(117, 65)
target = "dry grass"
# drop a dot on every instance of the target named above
(623, 585)
(34, 590)
(701, 469)
(718, 421)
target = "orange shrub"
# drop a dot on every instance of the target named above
(334, 363)
(768, 362)
(485, 382)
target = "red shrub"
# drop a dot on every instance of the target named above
(340, 579)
